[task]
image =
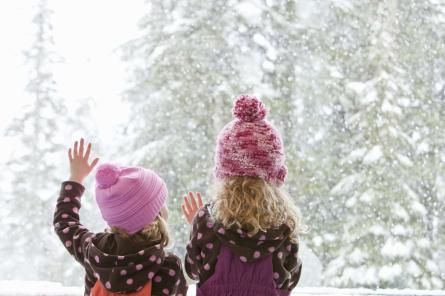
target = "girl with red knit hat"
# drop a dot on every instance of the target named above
(130, 257)
(245, 240)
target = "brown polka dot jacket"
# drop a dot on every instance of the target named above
(120, 264)
(209, 235)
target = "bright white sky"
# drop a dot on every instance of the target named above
(87, 34)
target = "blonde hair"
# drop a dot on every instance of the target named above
(254, 205)
(155, 231)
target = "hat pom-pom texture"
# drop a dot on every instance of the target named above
(249, 109)
(107, 175)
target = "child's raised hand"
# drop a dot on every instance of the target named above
(79, 166)
(191, 205)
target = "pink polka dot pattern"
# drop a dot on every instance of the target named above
(68, 187)
(169, 278)
(205, 244)
(201, 213)
(152, 258)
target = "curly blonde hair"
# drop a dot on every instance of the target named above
(155, 231)
(254, 204)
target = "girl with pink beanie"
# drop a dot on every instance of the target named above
(130, 257)
(245, 241)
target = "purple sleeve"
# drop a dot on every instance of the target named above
(74, 236)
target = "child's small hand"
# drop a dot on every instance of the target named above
(79, 166)
(191, 205)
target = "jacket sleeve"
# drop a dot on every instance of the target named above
(173, 280)
(287, 266)
(193, 259)
(74, 236)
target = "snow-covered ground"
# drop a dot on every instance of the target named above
(18, 288)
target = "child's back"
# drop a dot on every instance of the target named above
(245, 241)
(226, 261)
(130, 258)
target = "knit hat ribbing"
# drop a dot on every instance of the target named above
(129, 197)
(249, 145)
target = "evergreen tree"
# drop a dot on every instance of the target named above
(382, 239)
(32, 251)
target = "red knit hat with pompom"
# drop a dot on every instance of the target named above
(249, 145)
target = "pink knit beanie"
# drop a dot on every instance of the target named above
(249, 145)
(129, 197)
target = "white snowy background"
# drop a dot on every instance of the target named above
(357, 89)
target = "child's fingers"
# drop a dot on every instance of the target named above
(199, 199)
(70, 156)
(184, 212)
(94, 163)
(187, 204)
(76, 153)
(193, 199)
(87, 153)
(81, 147)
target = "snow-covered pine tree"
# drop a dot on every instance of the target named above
(382, 235)
(31, 250)
(422, 55)
(183, 81)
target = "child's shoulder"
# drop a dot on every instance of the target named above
(204, 217)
